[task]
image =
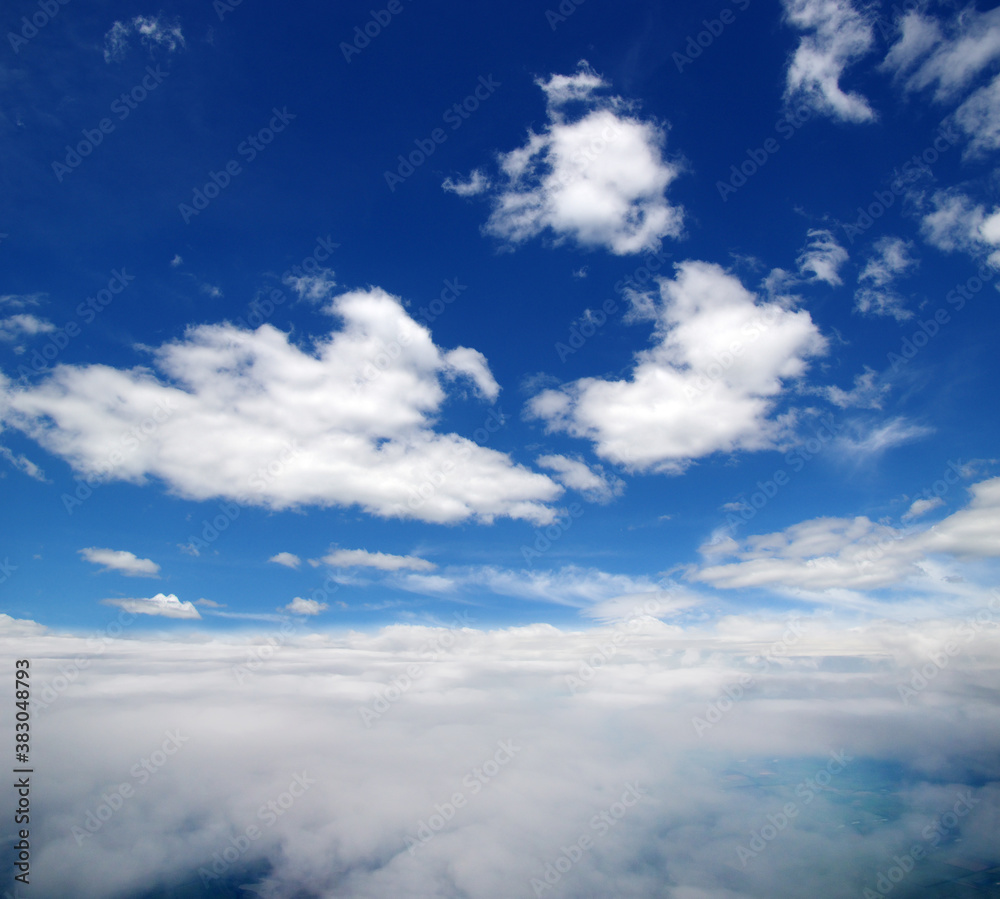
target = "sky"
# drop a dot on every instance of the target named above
(355, 338)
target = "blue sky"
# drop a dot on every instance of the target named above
(628, 155)
(615, 382)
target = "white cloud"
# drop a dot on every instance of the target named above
(957, 223)
(22, 463)
(153, 32)
(596, 177)
(892, 260)
(925, 55)
(709, 384)
(475, 184)
(168, 606)
(857, 553)
(300, 606)
(250, 416)
(822, 256)
(837, 36)
(871, 439)
(121, 561)
(24, 325)
(592, 483)
(315, 287)
(867, 393)
(921, 507)
(176, 261)
(343, 832)
(21, 300)
(979, 118)
(289, 560)
(210, 603)
(361, 558)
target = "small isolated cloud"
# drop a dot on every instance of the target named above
(289, 560)
(892, 259)
(121, 561)
(361, 558)
(22, 463)
(592, 483)
(314, 288)
(822, 257)
(870, 440)
(176, 261)
(211, 290)
(167, 606)
(475, 184)
(595, 174)
(300, 606)
(209, 603)
(836, 36)
(152, 31)
(24, 324)
(20, 300)
(867, 393)
(690, 395)
(922, 507)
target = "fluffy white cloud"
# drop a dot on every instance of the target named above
(979, 118)
(122, 561)
(581, 712)
(361, 558)
(868, 392)
(475, 184)
(595, 174)
(289, 560)
(300, 606)
(957, 223)
(892, 259)
(575, 474)
(709, 383)
(837, 36)
(926, 55)
(857, 553)
(168, 606)
(153, 31)
(251, 416)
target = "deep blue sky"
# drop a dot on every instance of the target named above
(219, 79)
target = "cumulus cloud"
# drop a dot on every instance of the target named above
(868, 392)
(300, 606)
(957, 223)
(892, 259)
(361, 558)
(857, 553)
(152, 31)
(251, 416)
(537, 731)
(592, 483)
(979, 118)
(167, 606)
(122, 561)
(947, 59)
(921, 507)
(692, 394)
(289, 560)
(836, 36)
(595, 174)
